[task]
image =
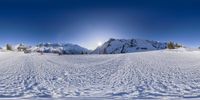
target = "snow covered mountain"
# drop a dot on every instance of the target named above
(21, 47)
(60, 48)
(114, 46)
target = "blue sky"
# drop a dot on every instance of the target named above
(87, 22)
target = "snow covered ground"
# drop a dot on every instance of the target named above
(153, 74)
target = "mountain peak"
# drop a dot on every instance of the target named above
(115, 46)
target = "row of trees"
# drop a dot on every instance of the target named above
(172, 45)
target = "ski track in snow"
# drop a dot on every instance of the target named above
(154, 74)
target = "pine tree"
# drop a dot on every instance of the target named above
(170, 45)
(9, 47)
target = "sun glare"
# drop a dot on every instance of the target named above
(99, 43)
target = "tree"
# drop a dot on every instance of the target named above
(9, 47)
(170, 45)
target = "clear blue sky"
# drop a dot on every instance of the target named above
(87, 22)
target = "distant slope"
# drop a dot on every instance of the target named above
(114, 46)
(61, 47)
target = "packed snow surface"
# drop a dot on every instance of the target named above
(153, 74)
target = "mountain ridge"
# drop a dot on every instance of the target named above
(115, 46)
(112, 46)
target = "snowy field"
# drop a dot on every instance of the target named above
(153, 74)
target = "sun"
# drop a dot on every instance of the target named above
(99, 43)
